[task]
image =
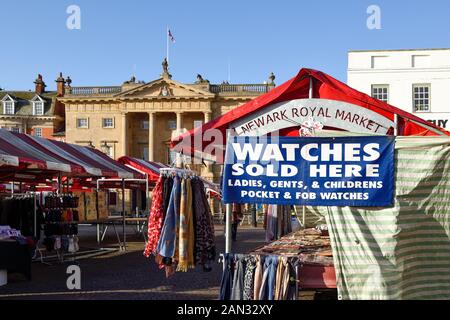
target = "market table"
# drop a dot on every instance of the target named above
(15, 257)
(313, 249)
(139, 222)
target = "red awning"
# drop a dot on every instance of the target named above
(152, 170)
(324, 87)
(31, 156)
(144, 167)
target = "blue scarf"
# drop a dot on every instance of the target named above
(166, 244)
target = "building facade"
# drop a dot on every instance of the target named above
(36, 112)
(417, 81)
(139, 119)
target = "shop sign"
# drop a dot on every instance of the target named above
(331, 113)
(344, 171)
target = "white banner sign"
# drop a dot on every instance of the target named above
(330, 113)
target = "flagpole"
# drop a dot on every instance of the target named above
(167, 44)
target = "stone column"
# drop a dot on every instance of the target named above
(207, 116)
(151, 136)
(179, 161)
(124, 135)
(179, 122)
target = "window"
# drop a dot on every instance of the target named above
(15, 129)
(421, 97)
(380, 92)
(172, 125)
(82, 123)
(198, 123)
(421, 61)
(8, 107)
(107, 149)
(112, 198)
(172, 156)
(38, 108)
(108, 123)
(380, 62)
(145, 125)
(145, 153)
(38, 132)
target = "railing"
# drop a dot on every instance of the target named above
(87, 91)
(235, 88)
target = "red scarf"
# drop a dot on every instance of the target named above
(155, 220)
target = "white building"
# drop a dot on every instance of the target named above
(417, 81)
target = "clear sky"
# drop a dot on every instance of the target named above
(119, 38)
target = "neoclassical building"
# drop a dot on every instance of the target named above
(138, 119)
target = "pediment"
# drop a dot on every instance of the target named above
(164, 88)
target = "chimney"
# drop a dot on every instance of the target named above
(40, 85)
(60, 85)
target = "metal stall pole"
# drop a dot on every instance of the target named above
(35, 216)
(395, 125)
(254, 219)
(58, 192)
(124, 237)
(229, 214)
(98, 224)
(147, 191)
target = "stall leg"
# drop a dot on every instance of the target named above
(304, 217)
(124, 237)
(98, 233)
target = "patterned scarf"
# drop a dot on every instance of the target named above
(249, 278)
(186, 231)
(155, 220)
(205, 249)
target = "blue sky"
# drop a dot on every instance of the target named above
(119, 38)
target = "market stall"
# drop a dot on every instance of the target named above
(385, 252)
(38, 162)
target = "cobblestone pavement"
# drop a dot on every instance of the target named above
(125, 275)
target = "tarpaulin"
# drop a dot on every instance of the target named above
(401, 252)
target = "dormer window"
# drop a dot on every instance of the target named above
(9, 105)
(38, 106)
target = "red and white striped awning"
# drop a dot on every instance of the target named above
(28, 154)
(149, 168)
(152, 169)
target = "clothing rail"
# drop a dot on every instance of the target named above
(28, 195)
(297, 266)
(190, 173)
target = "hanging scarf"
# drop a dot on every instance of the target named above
(204, 229)
(167, 190)
(237, 291)
(258, 276)
(166, 244)
(267, 290)
(186, 230)
(226, 283)
(249, 278)
(155, 220)
(280, 277)
(191, 228)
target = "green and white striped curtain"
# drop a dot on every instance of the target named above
(401, 252)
